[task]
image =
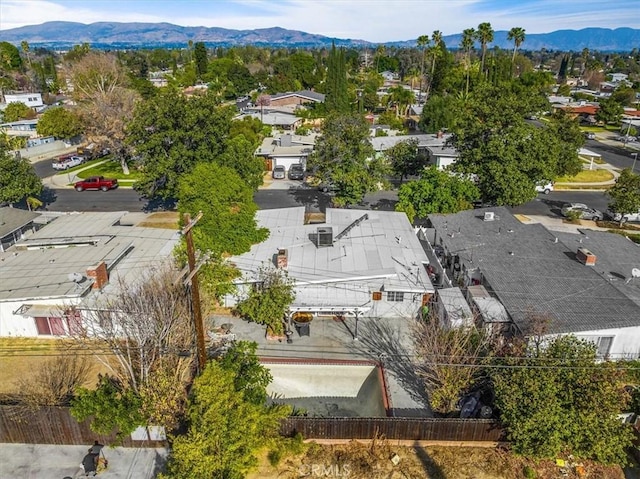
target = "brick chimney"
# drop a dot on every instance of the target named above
(281, 259)
(99, 275)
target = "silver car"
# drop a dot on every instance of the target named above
(279, 172)
(586, 213)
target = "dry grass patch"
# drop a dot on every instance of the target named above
(20, 357)
(374, 461)
(587, 176)
(165, 219)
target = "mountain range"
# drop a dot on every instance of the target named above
(62, 35)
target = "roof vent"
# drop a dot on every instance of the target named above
(489, 216)
(325, 236)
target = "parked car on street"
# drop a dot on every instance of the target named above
(296, 172)
(589, 135)
(66, 162)
(279, 172)
(545, 187)
(633, 217)
(96, 183)
(585, 212)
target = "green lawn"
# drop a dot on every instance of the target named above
(110, 169)
(587, 176)
(79, 167)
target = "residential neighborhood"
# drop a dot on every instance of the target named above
(256, 259)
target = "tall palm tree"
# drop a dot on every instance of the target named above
(517, 35)
(25, 48)
(466, 43)
(436, 50)
(484, 35)
(423, 43)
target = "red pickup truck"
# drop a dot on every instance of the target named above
(97, 183)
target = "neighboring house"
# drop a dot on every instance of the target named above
(357, 264)
(14, 224)
(583, 111)
(32, 100)
(20, 128)
(72, 263)
(583, 284)
(619, 77)
(296, 98)
(286, 150)
(433, 146)
(280, 120)
(389, 76)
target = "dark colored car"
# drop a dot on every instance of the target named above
(296, 172)
(96, 183)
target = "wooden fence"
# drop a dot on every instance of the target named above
(56, 425)
(53, 425)
(416, 429)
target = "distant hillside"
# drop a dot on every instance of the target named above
(61, 35)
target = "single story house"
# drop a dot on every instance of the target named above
(32, 100)
(297, 98)
(14, 225)
(280, 120)
(20, 128)
(71, 263)
(358, 263)
(285, 150)
(433, 146)
(584, 284)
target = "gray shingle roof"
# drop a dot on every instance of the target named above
(12, 219)
(311, 95)
(532, 274)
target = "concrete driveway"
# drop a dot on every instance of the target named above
(38, 461)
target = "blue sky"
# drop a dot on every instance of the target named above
(372, 20)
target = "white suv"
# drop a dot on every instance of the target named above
(634, 217)
(544, 187)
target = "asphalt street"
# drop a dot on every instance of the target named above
(614, 154)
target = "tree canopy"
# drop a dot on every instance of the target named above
(507, 155)
(171, 133)
(18, 179)
(337, 99)
(344, 157)
(625, 194)
(16, 110)
(59, 122)
(405, 159)
(436, 191)
(560, 399)
(226, 429)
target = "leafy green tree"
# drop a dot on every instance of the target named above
(251, 378)
(241, 79)
(610, 111)
(225, 430)
(436, 191)
(239, 156)
(441, 113)
(18, 179)
(251, 128)
(10, 59)
(337, 99)
(401, 99)
(624, 95)
(507, 155)
(200, 54)
(59, 122)
(111, 406)
(16, 111)
(625, 194)
(560, 399)
(405, 159)
(228, 224)
(344, 157)
(267, 302)
(171, 133)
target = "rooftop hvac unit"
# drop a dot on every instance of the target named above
(489, 216)
(325, 236)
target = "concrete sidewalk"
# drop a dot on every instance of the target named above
(38, 461)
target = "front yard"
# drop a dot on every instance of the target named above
(108, 169)
(588, 176)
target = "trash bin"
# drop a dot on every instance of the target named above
(303, 329)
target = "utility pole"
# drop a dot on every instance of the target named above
(635, 158)
(195, 289)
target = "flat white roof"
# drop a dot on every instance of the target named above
(39, 266)
(380, 251)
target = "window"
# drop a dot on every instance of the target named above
(50, 326)
(397, 296)
(604, 346)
